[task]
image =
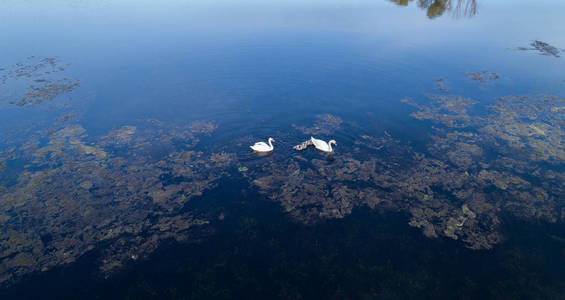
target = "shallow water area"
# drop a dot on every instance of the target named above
(125, 165)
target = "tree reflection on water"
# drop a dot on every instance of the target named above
(436, 8)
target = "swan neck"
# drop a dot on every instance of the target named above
(270, 144)
(330, 145)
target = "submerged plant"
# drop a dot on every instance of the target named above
(80, 195)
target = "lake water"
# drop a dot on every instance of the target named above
(125, 168)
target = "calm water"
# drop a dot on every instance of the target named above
(125, 170)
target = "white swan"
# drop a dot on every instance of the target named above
(262, 147)
(322, 145)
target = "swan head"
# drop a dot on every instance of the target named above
(271, 139)
(332, 142)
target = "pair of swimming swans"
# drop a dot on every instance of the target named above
(319, 144)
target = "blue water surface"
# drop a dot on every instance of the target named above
(258, 69)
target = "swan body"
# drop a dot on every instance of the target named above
(263, 147)
(322, 145)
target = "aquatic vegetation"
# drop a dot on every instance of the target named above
(483, 76)
(203, 127)
(475, 168)
(441, 85)
(399, 179)
(319, 190)
(309, 194)
(449, 110)
(75, 194)
(532, 127)
(40, 75)
(122, 135)
(377, 143)
(129, 189)
(47, 91)
(520, 133)
(222, 159)
(325, 124)
(542, 48)
(32, 67)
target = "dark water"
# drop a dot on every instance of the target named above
(125, 170)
